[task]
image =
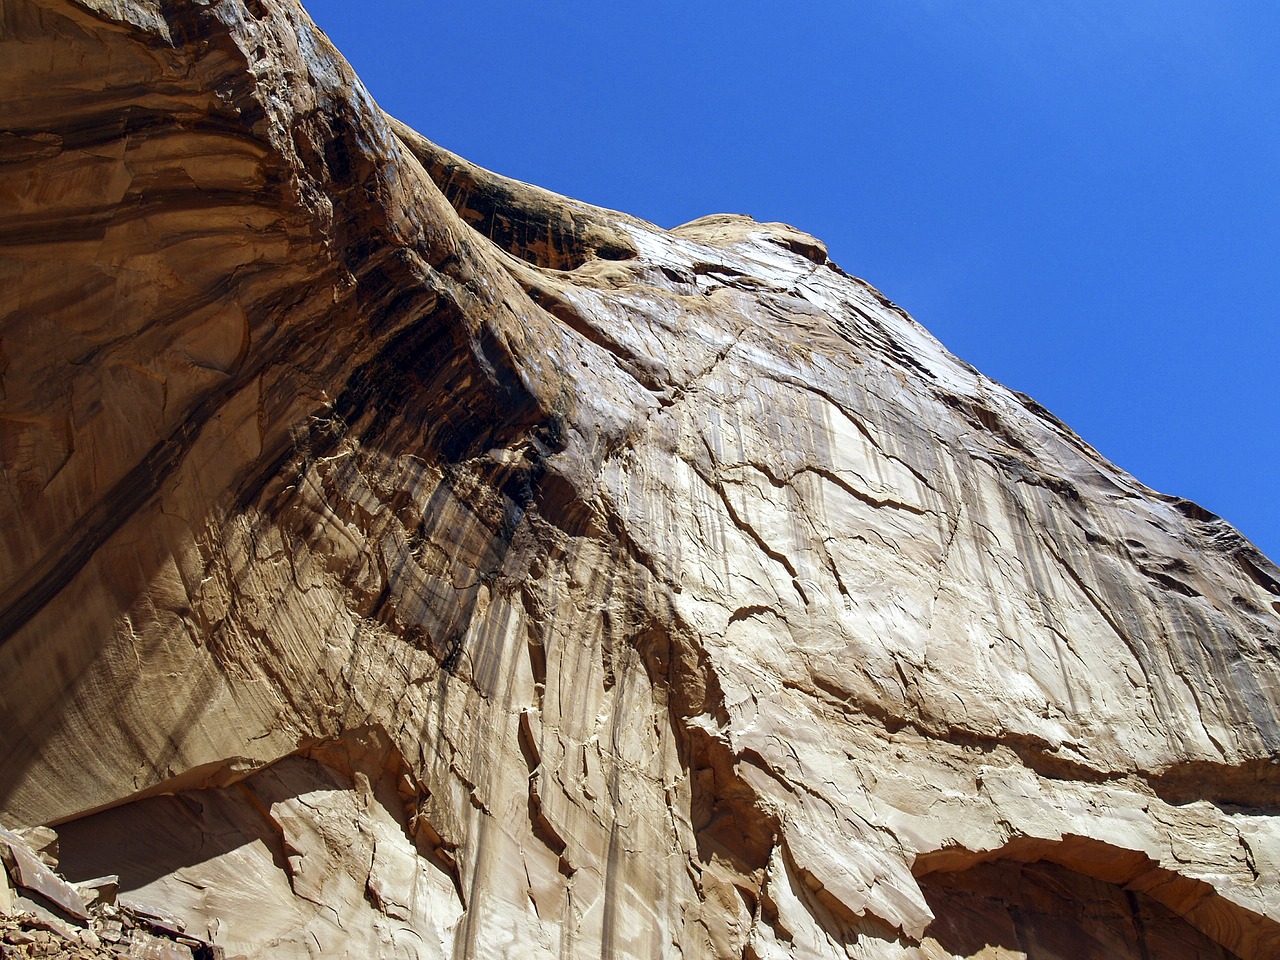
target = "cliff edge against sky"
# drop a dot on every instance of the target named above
(398, 560)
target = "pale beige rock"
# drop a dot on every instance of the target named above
(398, 560)
(99, 890)
(147, 947)
(7, 892)
(43, 842)
(32, 875)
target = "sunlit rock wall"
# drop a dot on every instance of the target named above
(401, 561)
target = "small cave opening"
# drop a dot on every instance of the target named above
(1078, 898)
(1044, 911)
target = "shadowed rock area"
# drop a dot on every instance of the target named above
(398, 560)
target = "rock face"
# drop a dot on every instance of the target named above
(401, 561)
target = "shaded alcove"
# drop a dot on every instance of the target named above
(1045, 911)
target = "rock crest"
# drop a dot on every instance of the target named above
(399, 560)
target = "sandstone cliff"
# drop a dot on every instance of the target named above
(402, 561)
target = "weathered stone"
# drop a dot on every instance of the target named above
(401, 560)
(153, 917)
(144, 946)
(99, 891)
(43, 842)
(30, 873)
(37, 917)
(7, 892)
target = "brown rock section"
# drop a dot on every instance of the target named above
(398, 560)
(41, 915)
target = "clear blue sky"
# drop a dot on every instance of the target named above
(1080, 198)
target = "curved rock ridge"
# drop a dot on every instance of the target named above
(403, 561)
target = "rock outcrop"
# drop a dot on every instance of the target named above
(401, 561)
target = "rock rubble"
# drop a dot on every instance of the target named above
(42, 915)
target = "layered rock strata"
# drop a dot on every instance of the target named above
(398, 560)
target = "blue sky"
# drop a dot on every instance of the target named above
(1080, 198)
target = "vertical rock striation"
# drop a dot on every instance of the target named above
(398, 560)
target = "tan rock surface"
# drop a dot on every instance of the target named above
(398, 560)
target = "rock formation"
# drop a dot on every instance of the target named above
(401, 561)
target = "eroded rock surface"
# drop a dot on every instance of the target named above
(398, 560)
